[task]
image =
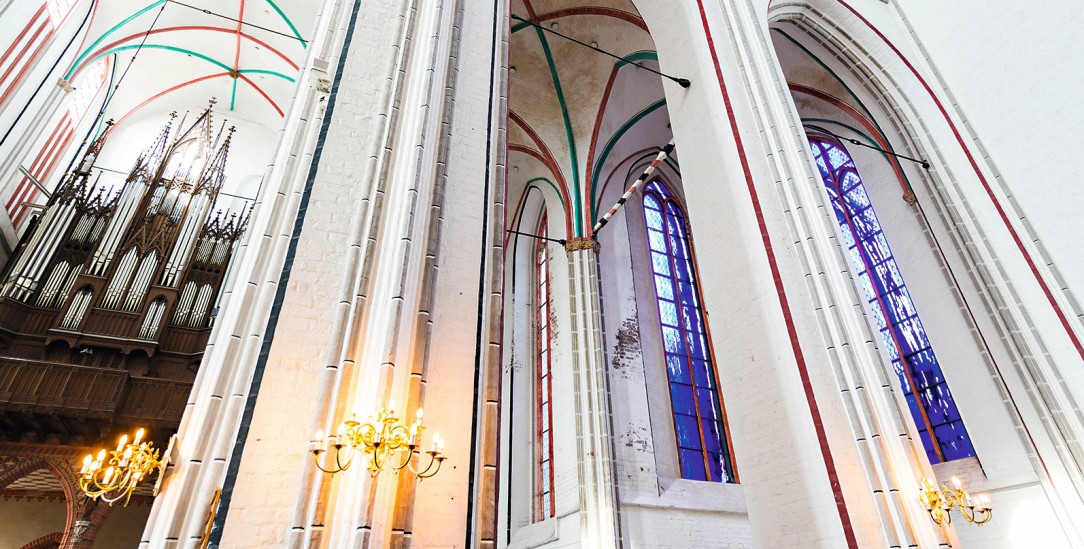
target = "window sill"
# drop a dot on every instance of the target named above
(691, 495)
(968, 470)
(535, 534)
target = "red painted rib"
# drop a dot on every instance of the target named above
(164, 92)
(592, 10)
(263, 93)
(799, 357)
(140, 35)
(985, 185)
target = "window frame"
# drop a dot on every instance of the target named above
(543, 377)
(726, 442)
(905, 373)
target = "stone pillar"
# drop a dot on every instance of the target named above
(597, 489)
(818, 441)
(219, 398)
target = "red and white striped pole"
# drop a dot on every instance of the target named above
(669, 148)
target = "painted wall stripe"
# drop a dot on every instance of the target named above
(796, 348)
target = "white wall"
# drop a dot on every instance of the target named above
(1011, 69)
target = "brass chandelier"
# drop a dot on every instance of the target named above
(940, 502)
(385, 439)
(112, 475)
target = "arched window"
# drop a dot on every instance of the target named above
(934, 410)
(543, 381)
(703, 451)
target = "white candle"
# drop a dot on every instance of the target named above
(139, 436)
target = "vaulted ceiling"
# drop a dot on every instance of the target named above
(245, 53)
(576, 113)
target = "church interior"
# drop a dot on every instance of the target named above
(541, 273)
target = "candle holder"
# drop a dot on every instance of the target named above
(385, 439)
(940, 502)
(112, 475)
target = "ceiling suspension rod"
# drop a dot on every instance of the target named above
(924, 163)
(539, 237)
(683, 82)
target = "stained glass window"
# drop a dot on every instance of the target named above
(932, 407)
(703, 452)
(543, 382)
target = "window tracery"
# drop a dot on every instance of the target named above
(543, 380)
(703, 451)
(927, 394)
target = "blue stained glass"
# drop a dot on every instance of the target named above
(678, 369)
(668, 313)
(660, 263)
(688, 432)
(694, 396)
(718, 467)
(682, 397)
(891, 308)
(651, 203)
(654, 219)
(692, 465)
(664, 288)
(682, 271)
(702, 373)
(705, 400)
(672, 340)
(655, 240)
(837, 158)
(713, 438)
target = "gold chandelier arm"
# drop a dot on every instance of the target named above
(438, 459)
(316, 458)
(409, 458)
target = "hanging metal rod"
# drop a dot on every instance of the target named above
(557, 240)
(683, 82)
(663, 153)
(924, 163)
(245, 23)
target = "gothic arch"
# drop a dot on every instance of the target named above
(968, 231)
(48, 541)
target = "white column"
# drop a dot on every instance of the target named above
(597, 491)
(215, 406)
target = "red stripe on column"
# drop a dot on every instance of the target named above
(985, 185)
(18, 39)
(799, 357)
(29, 62)
(62, 144)
(38, 160)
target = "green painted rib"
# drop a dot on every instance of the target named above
(519, 27)
(610, 145)
(851, 93)
(642, 55)
(211, 60)
(289, 23)
(90, 48)
(263, 71)
(233, 94)
(206, 58)
(577, 200)
(555, 189)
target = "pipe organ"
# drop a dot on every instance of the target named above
(110, 296)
